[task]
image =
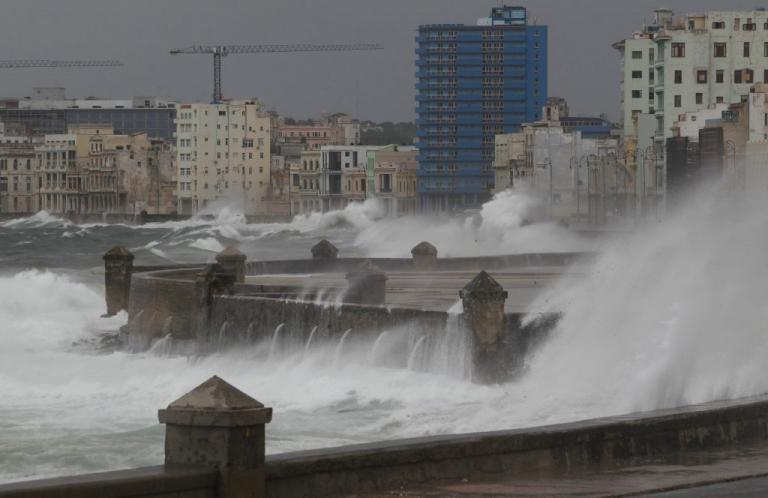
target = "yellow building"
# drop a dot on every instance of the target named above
(223, 157)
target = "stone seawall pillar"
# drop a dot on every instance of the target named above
(424, 256)
(483, 299)
(217, 425)
(233, 260)
(212, 281)
(367, 284)
(118, 266)
(324, 251)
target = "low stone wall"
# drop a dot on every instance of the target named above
(223, 467)
(161, 303)
(148, 482)
(542, 451)
(251, 319)
(343, 265)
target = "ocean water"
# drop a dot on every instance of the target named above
(670, 315)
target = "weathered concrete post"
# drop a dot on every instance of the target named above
(324, 251)
(367, 284)
(213, 280)
(424, 256)
(219, 426)
(233, 260)
(483, 299)
(118, 266)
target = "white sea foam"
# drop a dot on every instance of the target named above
(674, 314)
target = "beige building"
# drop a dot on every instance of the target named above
(305, 183)
(17, 158)
(60, 186)
(223, 156)
(394, 179)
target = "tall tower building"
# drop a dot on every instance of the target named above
(474, 82)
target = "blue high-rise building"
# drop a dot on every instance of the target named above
(474, 82)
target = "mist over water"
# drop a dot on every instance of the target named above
(672, 314)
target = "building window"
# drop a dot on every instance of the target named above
(721, 49)
(746, 49)
(765, 76)
(678, 77)
(637, 75)
(718, 25)
(719, 76)
(701, 76)
(678, 50)
(637, 94)
(765, 49)
(678, 101)
(699, 98)
(737, 76)
(749, 76)
(637, 54)
(719, 100)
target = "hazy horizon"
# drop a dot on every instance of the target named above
(378, 85)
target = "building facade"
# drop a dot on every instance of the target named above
(49, 111)
(682, 64)
(474, 82)
(343, 177)
(305, 183)
(392, 179)
(223, 156)
(17, 159)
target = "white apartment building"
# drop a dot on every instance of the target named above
(683, 64)
(223, 154)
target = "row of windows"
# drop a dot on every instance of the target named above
(720, 49)
(15, 164)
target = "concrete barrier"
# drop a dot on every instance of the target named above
(214, 448)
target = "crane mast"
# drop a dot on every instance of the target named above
(221, 51)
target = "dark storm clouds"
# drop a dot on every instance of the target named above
(372, 85)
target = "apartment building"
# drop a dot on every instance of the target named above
(223, 156)
(685, 63)
(305, 183)
(473, 83)
(17, 158)
(343, 177)
(393, 180)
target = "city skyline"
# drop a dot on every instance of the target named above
(370, 85)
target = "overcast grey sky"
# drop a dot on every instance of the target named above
(372, 85)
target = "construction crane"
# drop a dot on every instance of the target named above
(221, 51)
(39, 63)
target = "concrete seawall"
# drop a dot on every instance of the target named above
(205, 309)
(606, 443)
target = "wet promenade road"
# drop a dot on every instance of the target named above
(437, 291)
(740, 472)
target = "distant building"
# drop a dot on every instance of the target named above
(289, 139)
(577, 178)
(391, 175)
(730, 140)
(92, 170)
(223, 154)
(17, 160)
(48, 112)
(683, 64)
(343, 175)
(474, 82)
(305, 183)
